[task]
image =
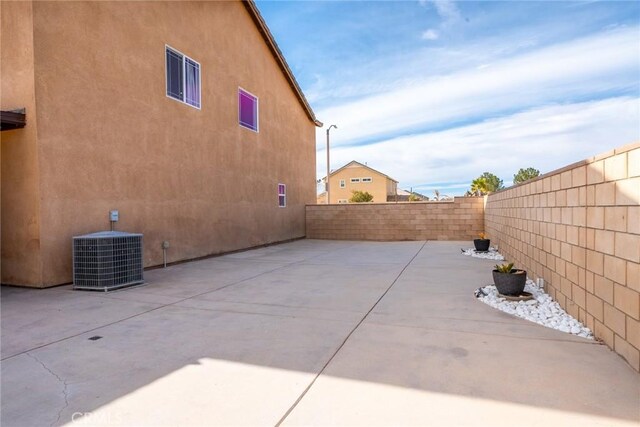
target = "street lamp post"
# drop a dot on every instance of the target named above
(328, 163)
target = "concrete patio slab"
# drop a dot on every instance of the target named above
(371, 253)
(341, 287)
(490, 371)
(227, 356)
(205, 276)
(299, 250)
(304, 333)
(272, 309)
(441, 311)
(34, 318)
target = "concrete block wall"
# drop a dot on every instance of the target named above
(460, 219)
(578, 228)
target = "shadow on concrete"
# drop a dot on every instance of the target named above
(393, 328)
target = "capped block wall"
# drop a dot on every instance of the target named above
(460, 219)
(578, 228)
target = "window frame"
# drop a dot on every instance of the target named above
(184, 77)
(257, 101)
(367, 179)
(343, 183)
(354, 180)
(283, 195)
(343, 201)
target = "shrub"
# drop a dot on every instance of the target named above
(361, 197)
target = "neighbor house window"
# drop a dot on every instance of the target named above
(183, 78)
(366, 179)
(248, 110)
(342, 184)
(355, 179)
(342, 201)
(282, 195)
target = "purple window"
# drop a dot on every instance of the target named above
(248, 110)
(282, 195)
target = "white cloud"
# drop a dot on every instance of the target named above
(608, 61)
(545, 138)
(447, 10)
(407, 66)
(430, 34)
(449, 14)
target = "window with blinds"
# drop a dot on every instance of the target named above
(183, 77)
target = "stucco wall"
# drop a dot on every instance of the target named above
(578, 228)
(19, 170)
(109, 138)
(461, 219)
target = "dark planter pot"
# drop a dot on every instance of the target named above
(510, 283)
(482, 245)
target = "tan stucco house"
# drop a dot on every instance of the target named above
(355, 176)
(183, 116)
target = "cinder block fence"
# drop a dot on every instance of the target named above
(460, 219)
(578, 228)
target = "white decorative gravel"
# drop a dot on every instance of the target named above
(492, 254)
(542, 310)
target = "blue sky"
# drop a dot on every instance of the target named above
(434, 93)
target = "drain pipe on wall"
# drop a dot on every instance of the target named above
(165, 246)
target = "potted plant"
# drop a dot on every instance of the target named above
(481, 244)
(508, 280)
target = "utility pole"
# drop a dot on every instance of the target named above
(328, 165)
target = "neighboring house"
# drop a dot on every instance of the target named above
(321, 198)
(184, 116)
(404, 196)
(355, 176)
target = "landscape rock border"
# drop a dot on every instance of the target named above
(542, 309)
(491, 254)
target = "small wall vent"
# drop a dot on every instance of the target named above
(107, 260)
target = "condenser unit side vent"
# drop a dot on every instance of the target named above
(107, 260)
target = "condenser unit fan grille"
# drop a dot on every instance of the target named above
(107, 260)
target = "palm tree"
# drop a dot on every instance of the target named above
(479, 186)
(440, 197)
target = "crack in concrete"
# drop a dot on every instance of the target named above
(64, 389)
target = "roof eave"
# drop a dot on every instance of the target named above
(13, 119)
(364, 166)
(275, 50)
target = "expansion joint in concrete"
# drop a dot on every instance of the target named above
(306, 390)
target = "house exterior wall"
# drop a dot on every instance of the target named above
(460, 219)
(19, 168)
(378, 187)
(392, 187)
(578, 228)
(109, 137)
